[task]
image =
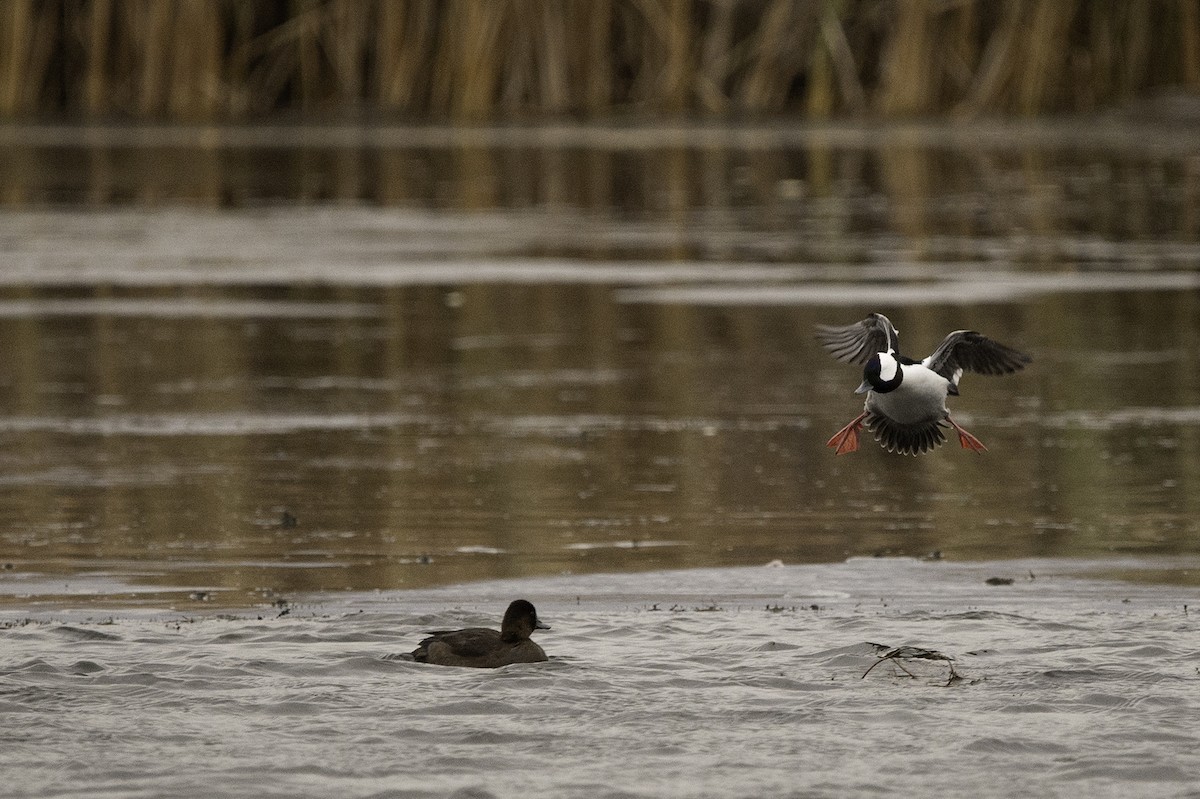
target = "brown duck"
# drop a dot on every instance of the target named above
(481, 648)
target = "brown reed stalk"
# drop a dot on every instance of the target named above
(1101, 54)
(594, 21)
(269, 65)
(666, 60)
(286, 57)
(1138, 45)
(518, 56)
(676, 86)
(345, 39)
(992, 75)
(715, 63)
(959, 49)
(11, 71)
(149, 23)
(236, 101)
(554, 77)
(305, 42)
(404, 42)
(841, 57)
(195, 89)
(820, 92)
(48, 30)
(550, 71)
(778, 49)
(466, 68)
(16, 35)
(629, 30)
(1046, 44)
(28, 32)
(474, 59)
(1189, 41)
(390, 88)
(908, 71)
(832, 80)
(96, 84)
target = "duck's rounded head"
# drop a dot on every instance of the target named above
(881, 374)
(520, 620)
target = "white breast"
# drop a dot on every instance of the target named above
(921, 397)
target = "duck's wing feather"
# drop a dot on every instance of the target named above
(857, 342)
(966, 350)
(471, 642)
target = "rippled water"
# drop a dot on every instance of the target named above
(275, 402)
(711, 682)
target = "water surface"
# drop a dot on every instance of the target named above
(244, 366)
(701, 683)
(276, 401)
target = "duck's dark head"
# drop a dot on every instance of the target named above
(520, 620)
(881, 374)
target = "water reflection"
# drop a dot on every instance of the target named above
(1064, 190)
(509, 377)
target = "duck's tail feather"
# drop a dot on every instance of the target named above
(906, 439)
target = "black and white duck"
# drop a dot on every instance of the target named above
(906, 398)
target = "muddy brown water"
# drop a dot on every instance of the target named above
(490, 354)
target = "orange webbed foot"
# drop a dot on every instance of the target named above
(846, 440)
(965, 439)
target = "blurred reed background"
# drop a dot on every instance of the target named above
(482, 59)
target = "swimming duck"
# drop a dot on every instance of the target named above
(906, 399)
(481, 648)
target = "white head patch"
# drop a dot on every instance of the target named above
(887, 367)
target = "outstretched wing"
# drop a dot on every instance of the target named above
(857, 342)
(966, 350)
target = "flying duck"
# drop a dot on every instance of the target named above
(906, 399)
(482, 648)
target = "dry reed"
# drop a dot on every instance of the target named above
(483, 59)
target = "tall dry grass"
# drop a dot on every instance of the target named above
(481, 59)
